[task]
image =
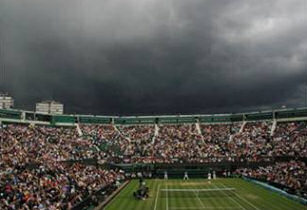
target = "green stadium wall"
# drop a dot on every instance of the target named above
(19, 115)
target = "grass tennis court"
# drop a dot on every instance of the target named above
(197, 194)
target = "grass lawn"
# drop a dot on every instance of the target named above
(197, 194)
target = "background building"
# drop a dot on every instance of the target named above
(6, 101)
(50, 107)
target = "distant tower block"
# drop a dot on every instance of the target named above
(50, 107)
(6, 101)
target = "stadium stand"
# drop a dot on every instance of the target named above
(57, 165)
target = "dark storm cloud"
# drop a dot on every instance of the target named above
(154, 56)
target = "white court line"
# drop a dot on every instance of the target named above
(246, 201)
(156, 200)
(201, 203)
(166, 203)
(210, 198)
(231, 198)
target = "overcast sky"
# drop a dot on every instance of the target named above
(128, 57)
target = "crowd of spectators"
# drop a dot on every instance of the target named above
(108, 141)
(290, 139)
(60, 186)
(178, 143)
(34, 172)
(290, 174)
(252, 142)
(140, 140)
(121, 144)
(218, 138)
